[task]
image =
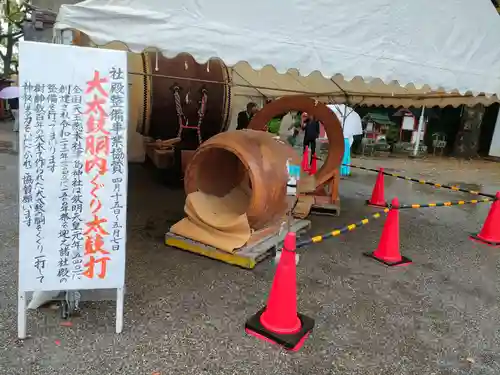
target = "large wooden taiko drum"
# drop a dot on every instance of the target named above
(152, 110)
(161, 114)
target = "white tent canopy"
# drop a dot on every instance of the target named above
(446, 44)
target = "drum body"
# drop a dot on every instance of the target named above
(152, 110)
(247, 158)
(160, 117)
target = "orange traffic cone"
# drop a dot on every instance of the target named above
(388, 248)
(378, 197)
(305, 160)
(314, 165)
(490, 233)
(279, 322)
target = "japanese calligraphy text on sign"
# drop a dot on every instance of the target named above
(73, 170)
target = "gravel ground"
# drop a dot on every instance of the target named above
(184, 314)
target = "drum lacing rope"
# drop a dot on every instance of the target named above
(178, 109)
(201, 113)
(183, 121)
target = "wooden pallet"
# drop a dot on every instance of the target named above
(325, 210)
(260, 246)
(323, 205)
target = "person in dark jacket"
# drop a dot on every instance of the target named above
(244, 117)
(311, 134)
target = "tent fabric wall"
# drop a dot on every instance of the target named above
(448, 44)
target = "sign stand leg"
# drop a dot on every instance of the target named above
(22, 319)
(120, 297)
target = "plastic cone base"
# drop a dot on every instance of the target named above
(403, 262)
(385, 205)
(291, 342)
(477, 238)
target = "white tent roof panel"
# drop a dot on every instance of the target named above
(448, 44)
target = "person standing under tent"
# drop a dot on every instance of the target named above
(296, 126)
(311, 133)
(244, 117)
(351, 127)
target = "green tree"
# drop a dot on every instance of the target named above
(13, 15)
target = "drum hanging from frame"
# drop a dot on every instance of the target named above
(152, 110)
(199, 100)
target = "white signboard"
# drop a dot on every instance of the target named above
(73, 169)
(408, 122)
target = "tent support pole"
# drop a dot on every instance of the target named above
(419, 131)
